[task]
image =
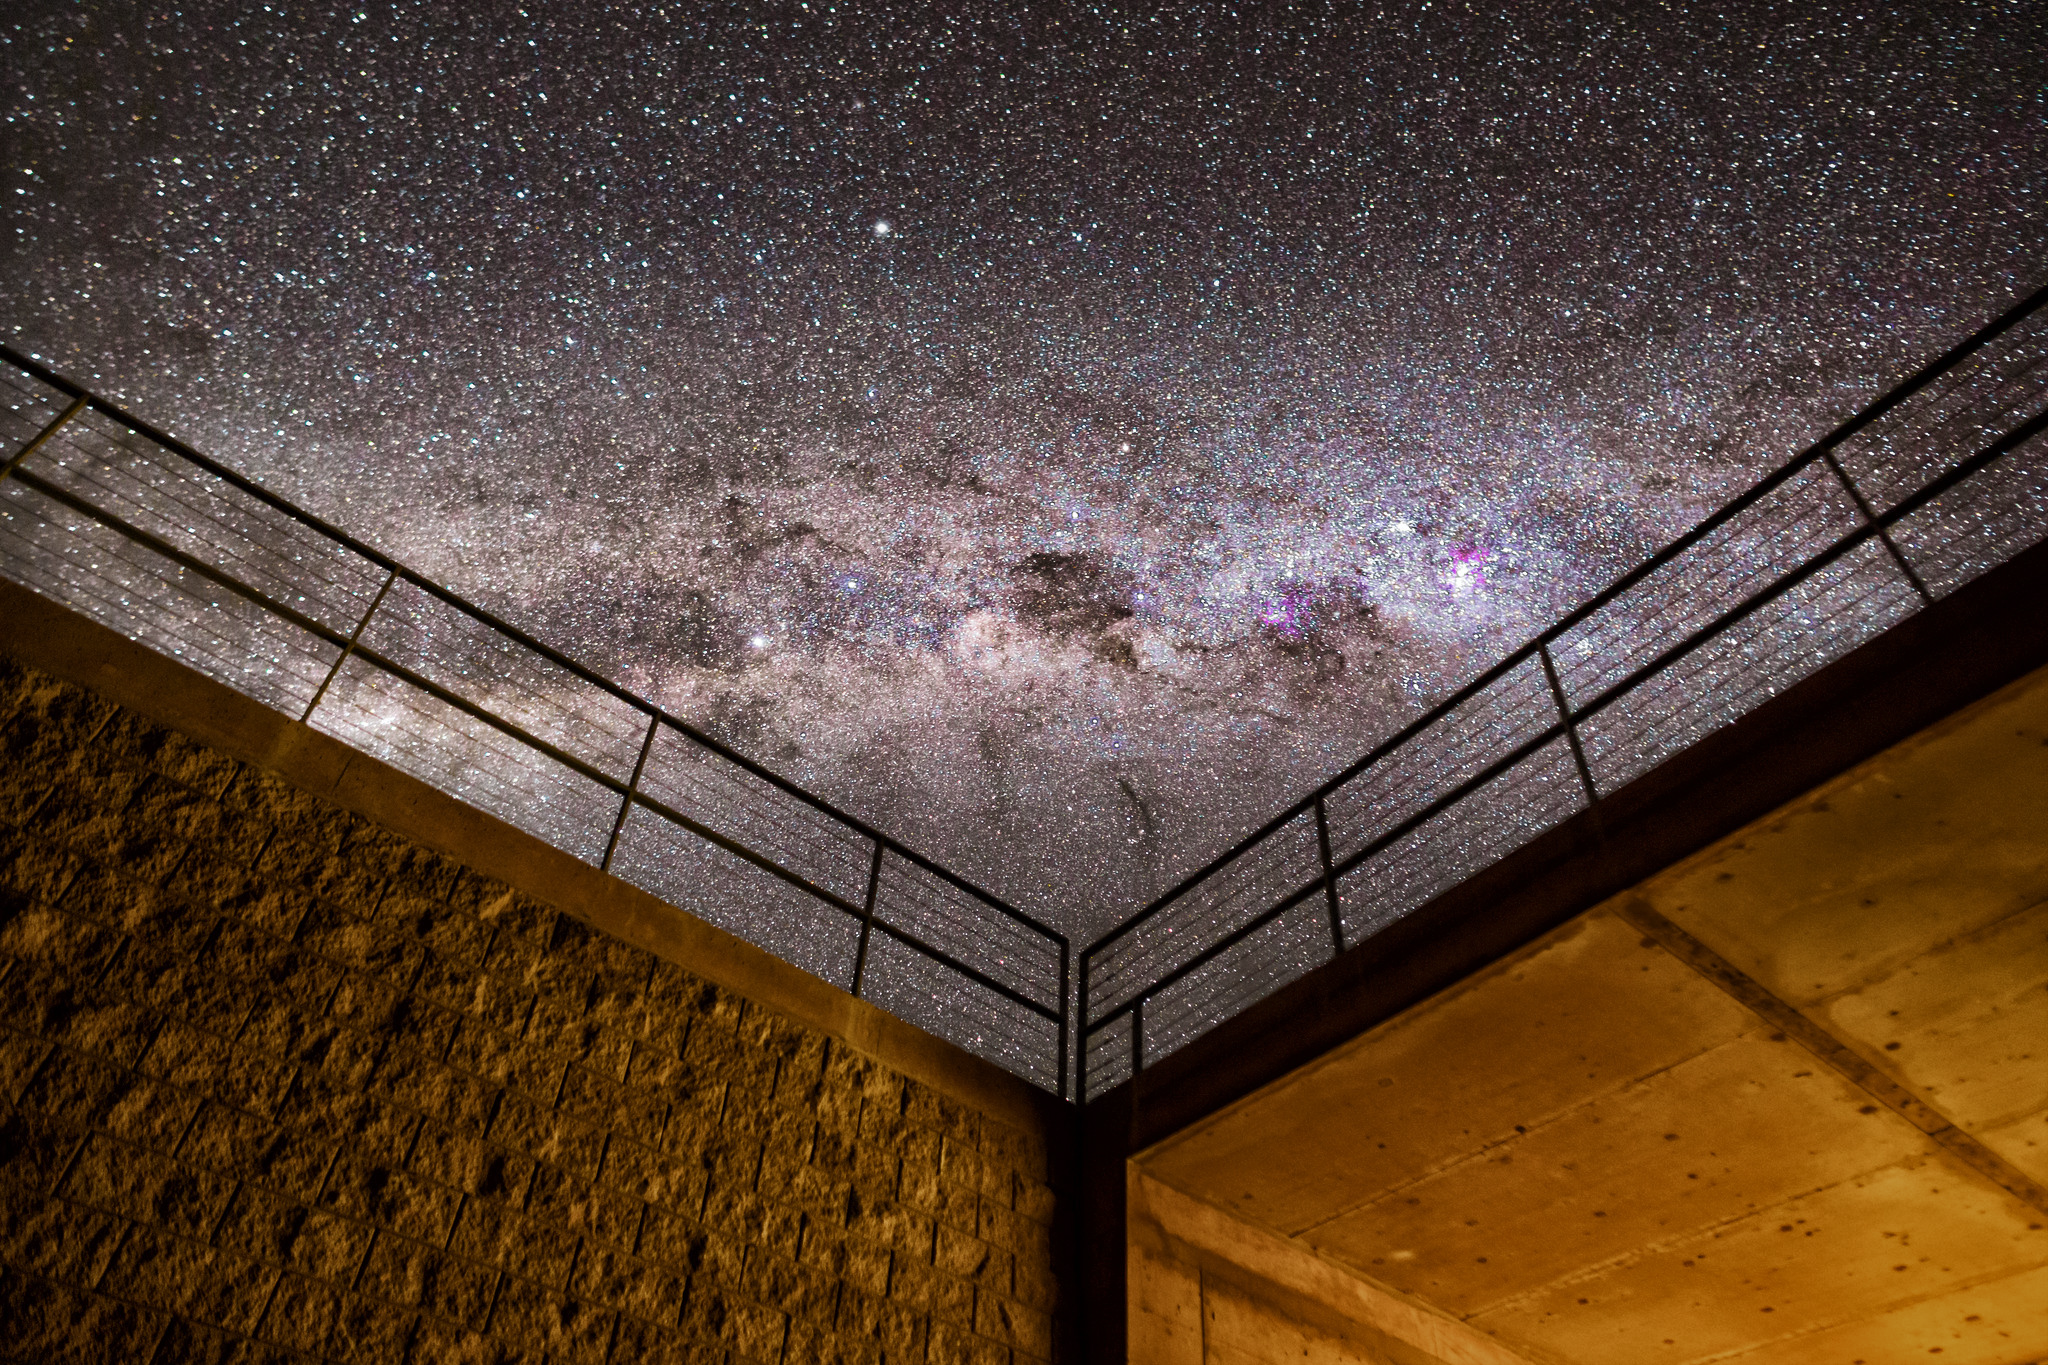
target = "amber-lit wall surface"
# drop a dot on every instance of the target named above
(1783, 1103)
(277, 1082)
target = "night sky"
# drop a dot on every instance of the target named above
(1061, 436)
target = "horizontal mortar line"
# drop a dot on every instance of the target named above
(1851, 1065)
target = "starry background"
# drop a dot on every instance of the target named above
(1061, 435)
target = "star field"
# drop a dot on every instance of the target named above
(1060, 435)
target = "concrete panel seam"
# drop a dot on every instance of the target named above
(1831, 1052)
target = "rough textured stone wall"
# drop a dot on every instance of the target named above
(276, 1083)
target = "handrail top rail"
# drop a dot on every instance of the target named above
(656, 714)
(1734, 507)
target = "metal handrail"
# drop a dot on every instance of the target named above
(1873, 526)
(351, 644)
(1075, 1024)
(483, 615)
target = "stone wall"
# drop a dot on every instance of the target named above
(276, 1083)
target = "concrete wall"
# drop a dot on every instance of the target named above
(1210, 1289)
(278, 1080)
(1784, 1103)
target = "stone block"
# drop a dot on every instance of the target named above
(60, 1241)
(276, 1231)
(74, 1087)
(227, 887)
(173, 809)
(287, 1033)
(901, 1332)
(92, 1018)
(561, 1023)
(521, 927)
(406, 1273)
(215, 1286)
(601, 1098)
(541, 1319)
(643, 1342)
(891, 1224)
(41, 934)
(82, 808)
(1014, 1324)
(1015, 1233)
(789, 1286)
(20, 1055)
(1033, 1285)
(970, 1258)
(1031, 1199)
(144, 854)
(725, 1055)
(304, 1315)
(497, 1057)
(696, 1123)
(34, 1150)
(526, 1125)
(957, 1343)
(877, 1172)
(54, 1324)
(128, 741)
(598, 1211)
(353, 941)
(377, 1128)
(504, 1238)
(965, 1165)
(639, 1289)
(146, 1188)
(418, 1082)
(484, 997)
(435, 1342)
(175, 925)
(369, 1331)
(447, 933)
(1015, 1150)
(373, 1192)
(754, 1332)
(204, 1064)
(653, 1176)
(34, 871)
(363, 1001)
(401, 862)
(670, 1240)
(451, 1157)
(926, 1289)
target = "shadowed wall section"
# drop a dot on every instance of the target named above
(278, 1082)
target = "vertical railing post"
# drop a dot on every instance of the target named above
(1571, 727)
(1081, 1034)
(1877, 528)
(78, 405)
(1137, 1036)
(1066, 1016)
(867, 919)
(1330, 881)
(350, 647)
(611, 845)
